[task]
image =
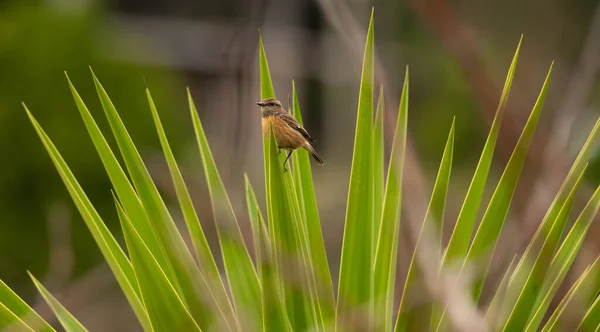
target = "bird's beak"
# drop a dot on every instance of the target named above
(260, 103)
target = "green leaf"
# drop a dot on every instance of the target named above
(384, 273)
(241, 275)
(290, 245)
(266, 85)
(112, 252)
(16, 312)
(591, 320)
(530, 290)
(11, 322)
(123, 188)
(378, 171)
(354, 288)
(308, 203)
(213, 283)
(259, 228)
(581, 295)
(181, 268)
(67, 320)
(552, 323)
(563, 259)
(493, 311)
(275, 317)
(266, 91)
(491, 225)
(551, 214)
(461, 235)
(166, 309)
(410, 316)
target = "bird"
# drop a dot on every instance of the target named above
(289, 134)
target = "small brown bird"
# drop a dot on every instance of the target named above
(288, 132)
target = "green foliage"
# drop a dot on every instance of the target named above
(288, 284)
(37, 43)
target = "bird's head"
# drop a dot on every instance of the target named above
(269, 104)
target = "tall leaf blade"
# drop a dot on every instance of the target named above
(563, 259)
(579, 164)
(275, 317)
(16, 312)
(11, 322)
(259, 228)
(241, 275)
(528, 293)
(123, 188)
(493, 311)
(417, 317)
(493, 220)
(166, 309)
(356, 263)
(580, 295)
(461, 235)
(185, 274)
(378, 171)
(386, 253)
(67, 320)
(289, 244)
(306, 195)
(266, 91)
(112, 252)
(213, 284)
(591, 320)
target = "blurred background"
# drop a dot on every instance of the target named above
(458, 52)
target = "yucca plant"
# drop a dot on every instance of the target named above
(287, 284)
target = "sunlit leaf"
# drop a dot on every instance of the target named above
(16, 313)
(386, 253)
(165, 308)
(241, 275)
(413, 317)
(112, 252)
(67, 320)
(354, 288)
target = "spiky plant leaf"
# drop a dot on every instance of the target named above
(354, 288)
(378, 171)
(275, 317)
(384, 273)
(491, 225)
(185, 273)
(288, 238)
(16, 313)
(67, 320)
(241, 275)
(9, 321)
(563, 259)
(492, 313)
(165, 307)
(459, 242)
(580, 295)
(461, 235)
(212, 283)
(306, 196)
(112, 252)
(123, 188)
(411, 317)
(527, 294)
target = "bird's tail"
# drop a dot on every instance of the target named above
(314, 154)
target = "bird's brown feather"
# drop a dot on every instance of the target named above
(294, 124)
(286, 139)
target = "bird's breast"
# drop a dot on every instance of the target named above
(287, 138)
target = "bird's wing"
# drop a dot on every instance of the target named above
(293, 123)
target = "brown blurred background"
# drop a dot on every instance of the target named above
(458, 53)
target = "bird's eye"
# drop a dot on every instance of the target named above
(272, 104)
